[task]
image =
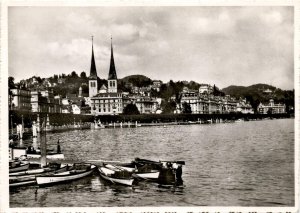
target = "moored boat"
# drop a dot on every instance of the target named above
(18, 167)
(116, 175)
(29, 177)
(76, 172)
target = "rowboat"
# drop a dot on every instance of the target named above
(29, 177)
(18, 166)
(116, 175)
(76, 172)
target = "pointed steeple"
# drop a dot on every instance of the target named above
(93, 70)
(112, 70)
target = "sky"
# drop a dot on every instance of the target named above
(216, 45)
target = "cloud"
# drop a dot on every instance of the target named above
(221, 45)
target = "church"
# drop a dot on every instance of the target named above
(108, 100)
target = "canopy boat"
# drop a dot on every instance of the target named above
(169, 171)
(17, 166)
(29, 177)
(116, 175)
(76, 172)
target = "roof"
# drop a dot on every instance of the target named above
(112, 75)
(103, 87)
(93, 70)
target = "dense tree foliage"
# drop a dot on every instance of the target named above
(186, 108)
(168, 107)
(131, 109)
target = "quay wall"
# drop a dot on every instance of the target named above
(59, 119)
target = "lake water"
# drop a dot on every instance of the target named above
(230, 164)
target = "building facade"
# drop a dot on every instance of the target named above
(271, 108)
(204, 102)
(20, 99)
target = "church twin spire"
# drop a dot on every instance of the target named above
(112, 75)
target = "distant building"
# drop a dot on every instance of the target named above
(44, 101)
(271, 108)
(244, 107)
(20, 99)
(156, 84)
(204, 102)
(205, 88)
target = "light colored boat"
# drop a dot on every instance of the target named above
(77, 172)
(29, 177)
(116, 175)
(154, 174)
(48, 156)
(17, 152)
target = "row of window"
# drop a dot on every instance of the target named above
(108, 101)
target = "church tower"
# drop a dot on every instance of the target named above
(112, 75)
(93, 86)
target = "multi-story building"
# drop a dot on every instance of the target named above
(271, 108)
(204, 102)
(19, 99)
(44, 101)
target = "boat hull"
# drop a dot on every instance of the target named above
(23, 183)
(104, 173)
(62, 177)
(20, 168)
(148, 175)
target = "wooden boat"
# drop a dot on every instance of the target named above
(18, 167)
(141, 170)
(16, 152)
(29, 177)
(116, 175)
(76, 172)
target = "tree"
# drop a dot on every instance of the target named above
(169, 107)
(186, 108)
(11, 83)
(131, 109)
(83, 75)
(74, 74)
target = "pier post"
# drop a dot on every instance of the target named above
(114, 125)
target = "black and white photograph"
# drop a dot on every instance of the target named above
(190, 106)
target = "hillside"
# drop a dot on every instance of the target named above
(261, 93)
(137, 80)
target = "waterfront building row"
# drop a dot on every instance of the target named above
(204, 102)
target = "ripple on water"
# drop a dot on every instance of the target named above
(234, 164)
